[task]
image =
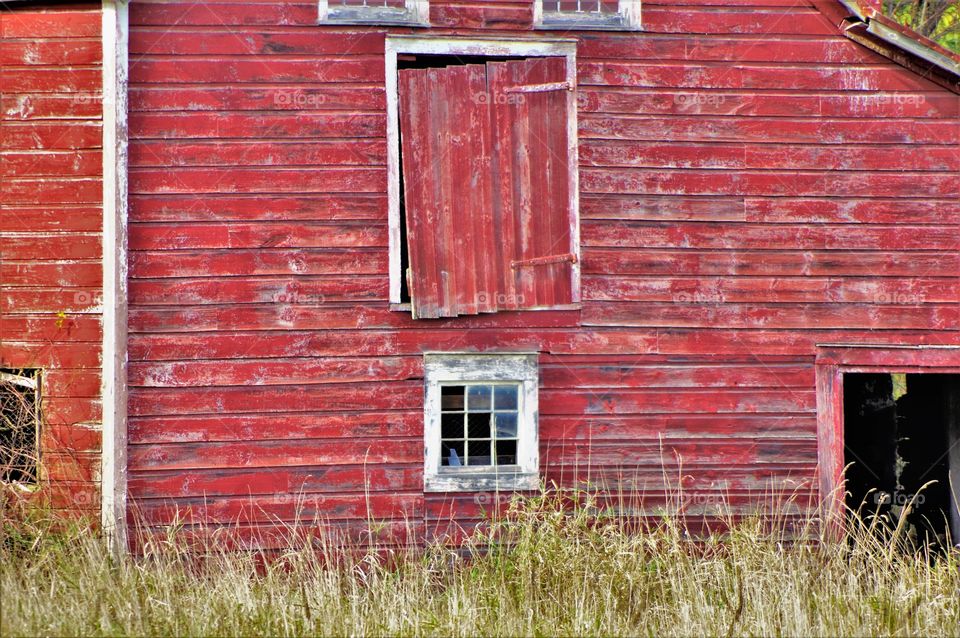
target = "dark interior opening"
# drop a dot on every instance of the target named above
(408, 61)
(901, 449)
(19, 424)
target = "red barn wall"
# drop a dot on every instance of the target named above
(50, 233)
(752, 184)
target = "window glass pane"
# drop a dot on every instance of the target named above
(452, 454)
(478, 453)
(506, 426)
(478, 397)
(451, 397)
(478, 425)
(506, 452)
(451, 426)
(505, 397)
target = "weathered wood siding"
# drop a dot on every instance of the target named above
(50, 233)
(752, 183)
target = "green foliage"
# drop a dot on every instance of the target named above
(938, 20)
(547, 566)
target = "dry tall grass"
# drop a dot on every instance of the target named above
(542, 569)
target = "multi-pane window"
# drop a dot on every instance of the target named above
(19, 425)
(480, 422)
(587, 14)
(405, 12)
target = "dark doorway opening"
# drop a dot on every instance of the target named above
(901, 449)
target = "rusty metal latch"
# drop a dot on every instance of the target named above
(542, 261)
(539, 88)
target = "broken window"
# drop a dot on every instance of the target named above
(488, 171)
(587, 14)
(19, 425)
(403, 12)
(902, 449)
(480, 421)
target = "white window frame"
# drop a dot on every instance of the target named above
(446, 368)
(416, 13)
(491, 47)
(627, 18)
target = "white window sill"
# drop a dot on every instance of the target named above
(585, 22)
(481, 480)
(373, 16)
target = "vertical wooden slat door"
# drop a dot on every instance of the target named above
(447, 189)
(529, 121)
(485, 165)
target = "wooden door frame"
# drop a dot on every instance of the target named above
(833, 361)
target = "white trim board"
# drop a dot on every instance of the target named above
(113, 470)
(492, 47)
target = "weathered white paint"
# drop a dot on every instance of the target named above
(416, 13)
(459, 367)
(627, 18)
(492, 47)
(113, 492)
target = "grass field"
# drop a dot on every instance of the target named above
(546, 569)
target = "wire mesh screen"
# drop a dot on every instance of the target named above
(19, 418)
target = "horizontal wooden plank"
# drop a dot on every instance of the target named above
(353, 179)
(29, 354)
(33, 25)
(40, 52)
(272, 124)
(63, 163)
(284, 316)
(675, 426)
(311, 371)
(67, 274)
(693, 235)
(179, 68)
(397, 395)
(298, 289)
(174, 40)
(53, 190)
(231, 345)
(53, 328)
(636, 374)
(50, 218)
(256, 235)
(772, 341)
(263, 261)
(266, 454)
(790, 130)
(629, 154)
(285, 207)
(315, 153)
(798, 316)
(283, 507)
(775, 263)
(273, 481)
(25, 135)
(775, 75)
(53, 300)
(621, 401)
(51, 106)
(51, 246)
(770, 183)
(802, 289)
(275, 97)
(275, 426)
(31, 79)
(645, 100)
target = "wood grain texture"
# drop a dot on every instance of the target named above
(50, 242)
(752, 184)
